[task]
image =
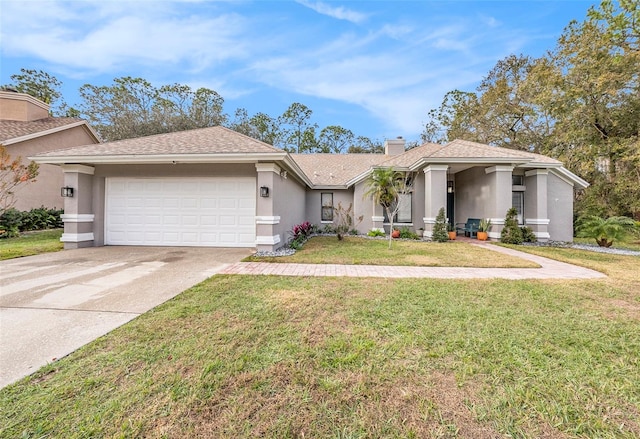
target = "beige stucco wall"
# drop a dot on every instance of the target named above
(46, 190)
(22, 107)
(560, 208)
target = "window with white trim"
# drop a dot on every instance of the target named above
(403, 215)
(517, 201)
(326, 202)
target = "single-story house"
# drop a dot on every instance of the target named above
(216, 187)
(26, 129)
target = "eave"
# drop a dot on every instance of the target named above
(38, 134)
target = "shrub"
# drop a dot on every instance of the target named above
(10, 223)
(300, 233)
(375, 233)
(407, 233)
(528, 235)
(440, 228)
(605, 231)
(511, 233)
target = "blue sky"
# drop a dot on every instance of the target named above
(374, 67)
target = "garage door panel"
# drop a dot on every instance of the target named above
(188, 212)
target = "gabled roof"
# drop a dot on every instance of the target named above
(15, 131)
(213, 140)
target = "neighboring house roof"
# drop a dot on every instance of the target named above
(198, 142)
(327, 170)
(15, 131)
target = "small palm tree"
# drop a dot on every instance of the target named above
(605, 231)
(384, 186)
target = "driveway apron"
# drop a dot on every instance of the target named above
(52, 304)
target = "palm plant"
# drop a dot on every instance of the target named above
(385, 186)
(605, 231)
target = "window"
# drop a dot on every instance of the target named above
(517, 201)
(517, 180)
(326, 201)
(404, 212)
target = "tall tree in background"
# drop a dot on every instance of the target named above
(334, 139)
(579, 104)
(44, 87)
(300, 134)
(133, 107)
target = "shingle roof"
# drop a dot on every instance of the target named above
(335, 169)
(464, 149)
(213, 140)
(11, 129)
(411, 156)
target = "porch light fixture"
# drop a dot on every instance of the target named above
(264, 191)
(66, 191)
(449, 187)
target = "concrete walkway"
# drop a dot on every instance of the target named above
(549, 269)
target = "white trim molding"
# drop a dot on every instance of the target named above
(80, 169)
(537, 221)
(497, 221)
(77, 217)
(493, 235)
(499, 168)
(429, 220)
(533, 172)
(377, 219)
(542, 235)
(267, 220)
(430, 168)
(268, 167)
(377, 229)
(76, 237)
(267, 240)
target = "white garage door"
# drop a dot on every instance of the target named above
(212, 212)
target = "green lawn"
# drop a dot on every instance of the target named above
(361, 251)
(284, 357)
(31, 243)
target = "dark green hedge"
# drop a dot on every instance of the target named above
(13, 221)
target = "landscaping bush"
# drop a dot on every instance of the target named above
(375, 233)
(300, 233)
(440, 227)
(511, 233)
(528, 235)
(10, 223)
(407, 233)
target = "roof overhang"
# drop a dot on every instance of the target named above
(81, 123)
(571, 178)
(157, 158)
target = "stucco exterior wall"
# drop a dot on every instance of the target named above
(289, 203)
(46, 190)
(560, 208)
(363, 206)
(18, 106)
(472, 196)
(313, 211)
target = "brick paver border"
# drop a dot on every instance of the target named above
(549, 269)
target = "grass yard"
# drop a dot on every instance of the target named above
(31, 243)
(361, 251)
(284, 357)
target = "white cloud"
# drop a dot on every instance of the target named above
(122, 37)
(340, 12)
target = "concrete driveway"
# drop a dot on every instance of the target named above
(52, 304)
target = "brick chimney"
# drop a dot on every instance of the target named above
(21, 107)
(394, 146)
